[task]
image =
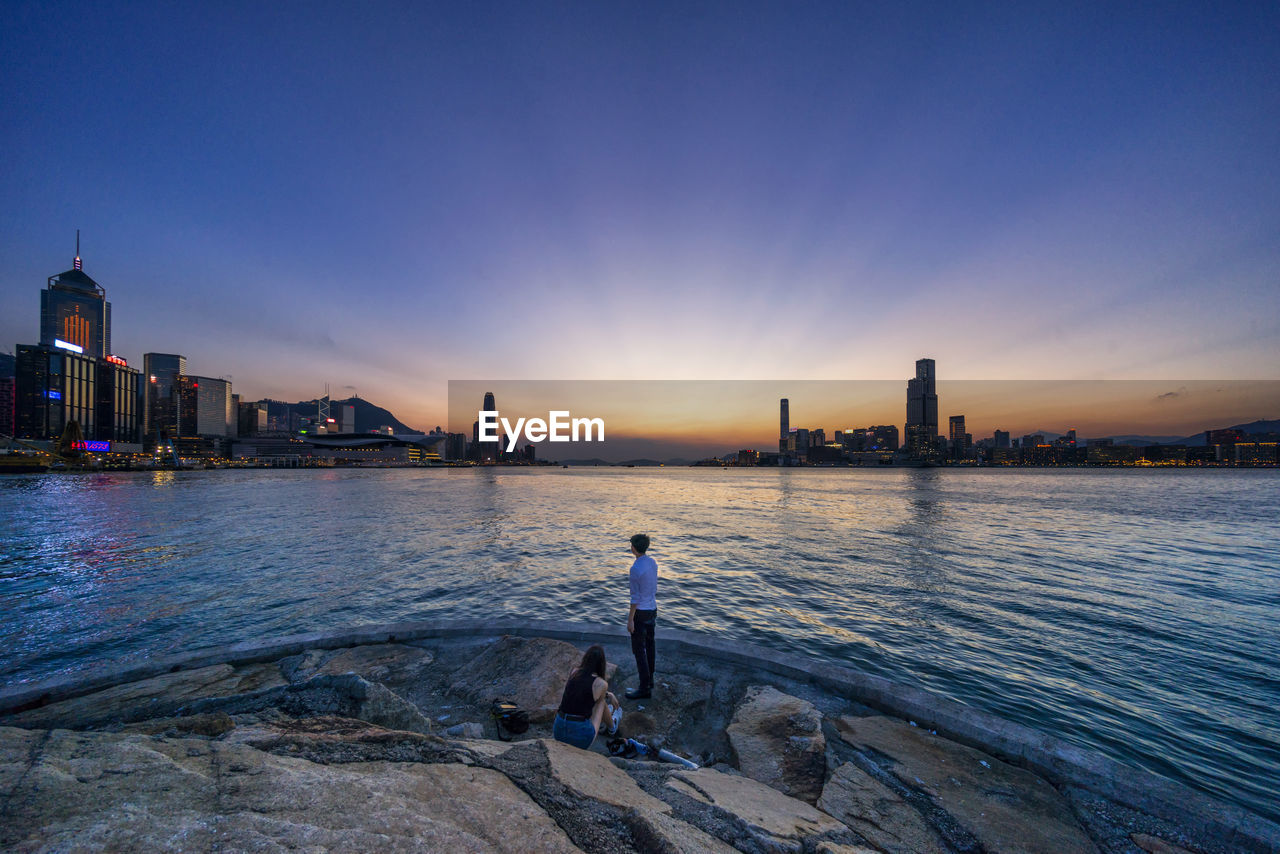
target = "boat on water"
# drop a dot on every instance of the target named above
(15, 463)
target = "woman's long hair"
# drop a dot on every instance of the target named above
(593, 661)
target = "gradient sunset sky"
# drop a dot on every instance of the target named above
(387, 196)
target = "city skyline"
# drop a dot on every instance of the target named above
(701, 418)
(1074, 401)
(56, 385)
(386, 199)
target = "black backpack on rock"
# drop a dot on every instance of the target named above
(508, 715)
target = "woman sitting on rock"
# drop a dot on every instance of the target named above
(585, 703)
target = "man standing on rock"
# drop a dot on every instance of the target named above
(643, 614)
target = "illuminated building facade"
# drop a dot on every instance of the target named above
(118, 419)
(74, 309)
(204, 408)
(71, 374)
(883, 437)
(53, 387)
(160, 401)
(1257, 453)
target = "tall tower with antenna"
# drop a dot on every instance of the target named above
(74, 311)
(322, 409)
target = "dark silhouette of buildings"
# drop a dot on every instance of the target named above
(7, 366)
(922, 412)
(959, 442)
(486, 452)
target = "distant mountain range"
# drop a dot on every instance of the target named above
(1196, 440)
(368, 416)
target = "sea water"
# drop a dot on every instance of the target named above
(1132, 612)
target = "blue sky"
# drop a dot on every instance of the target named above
(386, 196)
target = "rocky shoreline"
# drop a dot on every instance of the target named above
(381, 740)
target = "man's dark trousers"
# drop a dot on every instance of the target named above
(642, 646)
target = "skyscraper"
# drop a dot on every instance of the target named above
(922, 410)
(71, 375)
(488, 451)
(959, 439)
(8, 369)
(74, 310)
(53, 387)
(160, 401)
(785, 424)
(117, 402)
(204, 408)
(6, 405)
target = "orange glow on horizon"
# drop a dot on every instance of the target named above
(744, 414)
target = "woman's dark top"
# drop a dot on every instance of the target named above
(578, 699)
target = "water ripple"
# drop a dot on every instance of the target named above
(1129, 612)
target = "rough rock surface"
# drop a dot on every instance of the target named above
(389, 663)
(1007, 809)
(777, 739)
(86, 791)
(679, 709)
(636, 724)
(344, 758)
(877, 813)
(211, 724)
(158, 696)
(590, 775)
(771, 818)
(661, 832)
(347, 695)
(530, 672)
(331, 740)
(1156, 845)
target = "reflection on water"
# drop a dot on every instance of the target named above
(1129, 612)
